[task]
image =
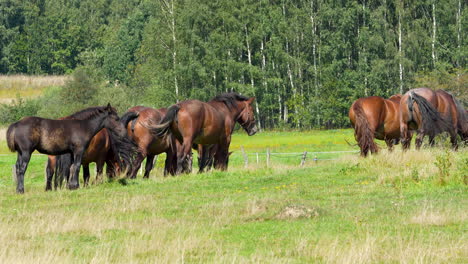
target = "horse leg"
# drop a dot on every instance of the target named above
(148, 165)
(73, 182)
(453, 139)
(49, 174)
(21, 166)
(419, 140)
(405, 136)
(86, 174)
(389, 143)
(99, 170)
(183, 155)
(136, 165)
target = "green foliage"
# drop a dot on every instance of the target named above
(18, 109)
(305, 61)
(443, 163)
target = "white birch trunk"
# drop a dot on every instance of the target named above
(434, 26)
(399, 52)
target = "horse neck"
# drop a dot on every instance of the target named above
(95, 124)
(232, 113)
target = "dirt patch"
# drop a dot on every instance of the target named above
(297, 211)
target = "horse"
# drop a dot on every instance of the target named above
(137, 120)
(453, 111)
(375, 117)
(419, 111)
(57, 137)
(99, 151)
(196, 122)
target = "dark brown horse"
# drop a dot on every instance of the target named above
(57, 137)
(99, 151)
(375, 117)
(196, 122)
(419, 111)
(137, 120)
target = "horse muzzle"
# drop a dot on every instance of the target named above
(252, 131)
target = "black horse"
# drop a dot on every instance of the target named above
(58, 137)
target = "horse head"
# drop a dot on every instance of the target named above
(247, 118)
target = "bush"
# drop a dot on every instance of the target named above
(20, 108)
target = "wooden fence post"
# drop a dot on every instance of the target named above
(304, 156)
(257, 157)
(268, 157)
(246, 158)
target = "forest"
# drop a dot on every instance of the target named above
(305, 61)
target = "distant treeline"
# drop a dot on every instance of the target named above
(306, 61)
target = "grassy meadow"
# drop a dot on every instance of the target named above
(393, 207)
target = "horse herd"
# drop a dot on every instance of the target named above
(393, 120)
(98, 134)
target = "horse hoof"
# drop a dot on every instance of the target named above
(73, 186)
(20, 191)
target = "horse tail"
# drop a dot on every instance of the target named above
(363, 132)
(432, 121)
(163, 128)
(123, 149)
(62, 168)
(10, 135)
(129, 116)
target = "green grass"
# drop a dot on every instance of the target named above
(391, 207)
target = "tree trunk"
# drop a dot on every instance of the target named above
(434, 25)
(399, 52)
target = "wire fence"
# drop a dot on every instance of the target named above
(301, 156)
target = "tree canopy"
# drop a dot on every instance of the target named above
(305, 61)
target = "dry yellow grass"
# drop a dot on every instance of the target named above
(27, 85)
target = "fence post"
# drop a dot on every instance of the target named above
(257, 157)
(304, 156)
(268, 157)
(246, 159)
(315, 159)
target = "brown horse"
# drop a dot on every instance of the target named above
(208, 123)
(58, 137)
(419, 111)
(148, 145)
(375, 117)
(453, 111)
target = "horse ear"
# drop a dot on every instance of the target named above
(109, 107)
(230, 152)
(251, 99)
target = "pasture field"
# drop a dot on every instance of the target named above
(393, 207)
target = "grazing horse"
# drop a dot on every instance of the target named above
(193, 121)
(57, 137)
(453, 111)
(137, 120)
(375, 117)
(419, 111)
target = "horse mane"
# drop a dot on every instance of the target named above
(230, 99)
(86, 113)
